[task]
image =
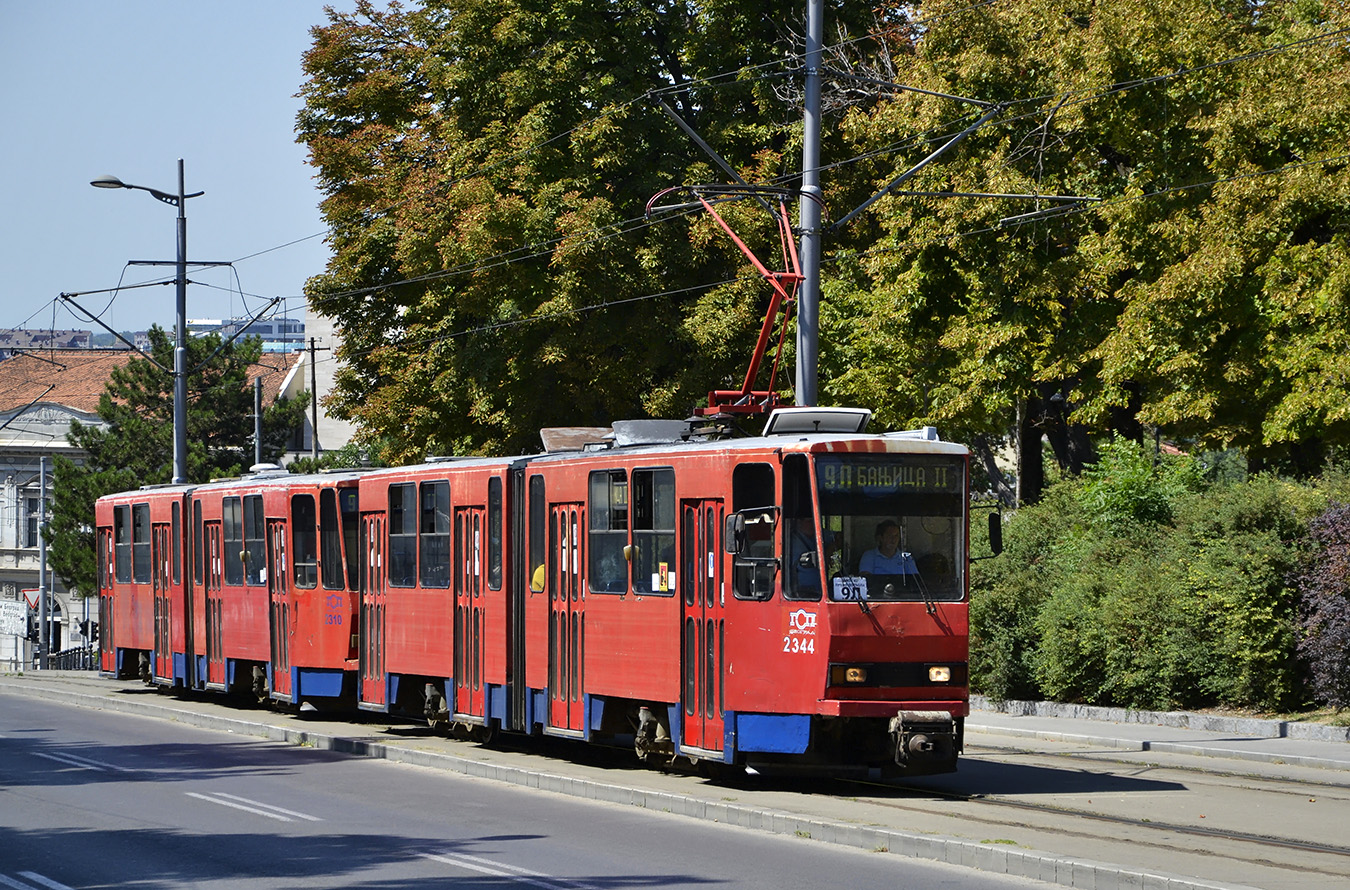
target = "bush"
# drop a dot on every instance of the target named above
(1007, 593)
(1324, 590)
(1235, 549)
(1139, 587)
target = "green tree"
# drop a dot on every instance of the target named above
(1207, 291)
(487, 164)
(135, 445)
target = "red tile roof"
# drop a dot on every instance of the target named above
(77, 377)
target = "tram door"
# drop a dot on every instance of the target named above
(470, 624)
(278, 592)
(215, 634)
(567, 616)
(373, 691)
(704, 624)
(161, 551)
(107, 651)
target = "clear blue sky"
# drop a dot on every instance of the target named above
(127, 88)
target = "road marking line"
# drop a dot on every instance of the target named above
(268, 806)
(238, 806)
(69, 761)
(513, 872)
(46, 882)
(17, 885)
(85, 762)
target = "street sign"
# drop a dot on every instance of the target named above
(30, 595)
(13, 619)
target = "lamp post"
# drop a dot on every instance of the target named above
(180, 326)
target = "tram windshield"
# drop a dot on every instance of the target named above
(892, 526)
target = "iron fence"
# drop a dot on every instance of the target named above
(82, 658)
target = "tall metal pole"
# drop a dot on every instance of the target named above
(44, 629)
(257, 420)
(808, 297)
(313, 403)
(180, 343)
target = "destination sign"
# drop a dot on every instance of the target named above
(875, 475)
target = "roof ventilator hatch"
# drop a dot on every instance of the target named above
(790, 421)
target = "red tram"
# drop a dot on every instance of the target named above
(793, 599)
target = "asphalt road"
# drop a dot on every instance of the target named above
(93, 798)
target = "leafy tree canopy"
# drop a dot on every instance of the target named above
(487, 164)
(1205, 292)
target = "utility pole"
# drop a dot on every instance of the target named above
(314, 401)
(44, 629)
(808, 297)
(257, 420)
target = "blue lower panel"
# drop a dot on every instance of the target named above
(773, 733)
(494, 703)
(318, 683)
(536, 709)
(179, 669)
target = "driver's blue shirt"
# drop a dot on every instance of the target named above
(874, 562)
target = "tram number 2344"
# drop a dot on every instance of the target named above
(801, 645)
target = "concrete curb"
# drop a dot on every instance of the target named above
(1083, 874)
(1247, 726)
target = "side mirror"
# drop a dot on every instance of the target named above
(733, 533)
(996, 532)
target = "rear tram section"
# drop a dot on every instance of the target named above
(793, 600)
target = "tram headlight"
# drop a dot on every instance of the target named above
(939, 673)
(842, 674)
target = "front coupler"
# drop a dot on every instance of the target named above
(925, 742)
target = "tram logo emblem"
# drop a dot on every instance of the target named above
(802, 621)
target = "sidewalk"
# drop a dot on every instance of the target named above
(1235, 738)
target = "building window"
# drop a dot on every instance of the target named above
(33, 512)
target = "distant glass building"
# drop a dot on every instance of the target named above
(278, 334)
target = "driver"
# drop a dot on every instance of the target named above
(887, 558)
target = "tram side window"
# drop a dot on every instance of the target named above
(752, 488)
(122, 543)
(403, 535)
(177, 521)
(537, 541)
(434, 534)
(654, 531)
(304, 547)
(349, 509)
(101, 555)
(140, 543)
(494, 533)
(232, 540)
(608, 509)
(198, 542)
(330, 541)
(254, 531)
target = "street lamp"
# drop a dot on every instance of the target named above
(180, 338)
